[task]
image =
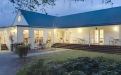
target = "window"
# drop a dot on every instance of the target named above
(38, 36)
(19, 18)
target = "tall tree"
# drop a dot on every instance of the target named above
(32, 5)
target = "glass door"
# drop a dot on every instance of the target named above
(26, 36)
(38, 36)
(101, 37)
(96, 36)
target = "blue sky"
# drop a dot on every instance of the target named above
(60, 9)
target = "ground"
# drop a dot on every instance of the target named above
(10, 62)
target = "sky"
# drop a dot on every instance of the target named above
(61, 8)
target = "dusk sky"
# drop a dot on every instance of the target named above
(60, 9)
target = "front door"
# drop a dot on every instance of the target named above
(97, 36)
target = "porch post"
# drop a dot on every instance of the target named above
(99, 37)
(0, 45)
(89, 34)
(52, 37)
(119, 35)
(19, 34)
(31, 37)
(45, 35)
(68, 35)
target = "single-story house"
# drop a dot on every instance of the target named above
(102, 27)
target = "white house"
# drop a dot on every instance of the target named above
(102, 27)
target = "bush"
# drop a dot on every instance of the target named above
(34, 69)
(15, 45)
(22, 50)
(78, 66)
(88, 66)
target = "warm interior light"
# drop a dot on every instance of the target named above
(79, 30)
(54, 30)
(116, 28)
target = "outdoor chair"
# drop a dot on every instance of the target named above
(111, 41)
(37, 47)
(43, 46)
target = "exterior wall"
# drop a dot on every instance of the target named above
(83, 33)
(31, 34)
(79, 33)
(109, 31)
(7, 35)
(22, 22)
(57, 35)
(73, 34)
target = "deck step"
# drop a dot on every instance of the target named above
(4, 47)
(95, 48)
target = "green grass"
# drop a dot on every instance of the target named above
(56, 60)
(71, 54)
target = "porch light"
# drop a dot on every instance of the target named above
(79, 30)
(116, 28)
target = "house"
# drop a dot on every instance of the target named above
(101, 27)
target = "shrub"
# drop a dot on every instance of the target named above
(34, 69)
(15, 45)
(78, 66)
(88, 66)
(22, 50)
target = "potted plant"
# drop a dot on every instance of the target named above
(11, 45)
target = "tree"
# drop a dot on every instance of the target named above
(32, 5)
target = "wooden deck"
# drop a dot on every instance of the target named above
(95, 48)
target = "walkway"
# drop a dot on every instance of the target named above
(10, 63)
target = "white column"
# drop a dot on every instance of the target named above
(53, 37)
(31, 37)
(20, 34)
(45, 35)
(7, 35)
(0, 45)
(68, 35)
(119, 35)
(89, 34)
(99, 37)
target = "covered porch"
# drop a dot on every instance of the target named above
(97, 35)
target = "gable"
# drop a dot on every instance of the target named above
(20, 20)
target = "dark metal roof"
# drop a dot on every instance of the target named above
(103, 17)
(37, 19)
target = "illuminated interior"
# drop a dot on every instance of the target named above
(26, 36)
(38, 36)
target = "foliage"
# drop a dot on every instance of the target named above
(33, 5)
(88, 66)
(21, 49)
(78, 66)
(35, 69)
(15, 45)
(79, 63)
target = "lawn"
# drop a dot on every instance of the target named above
(74, 62)
(71, 54)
